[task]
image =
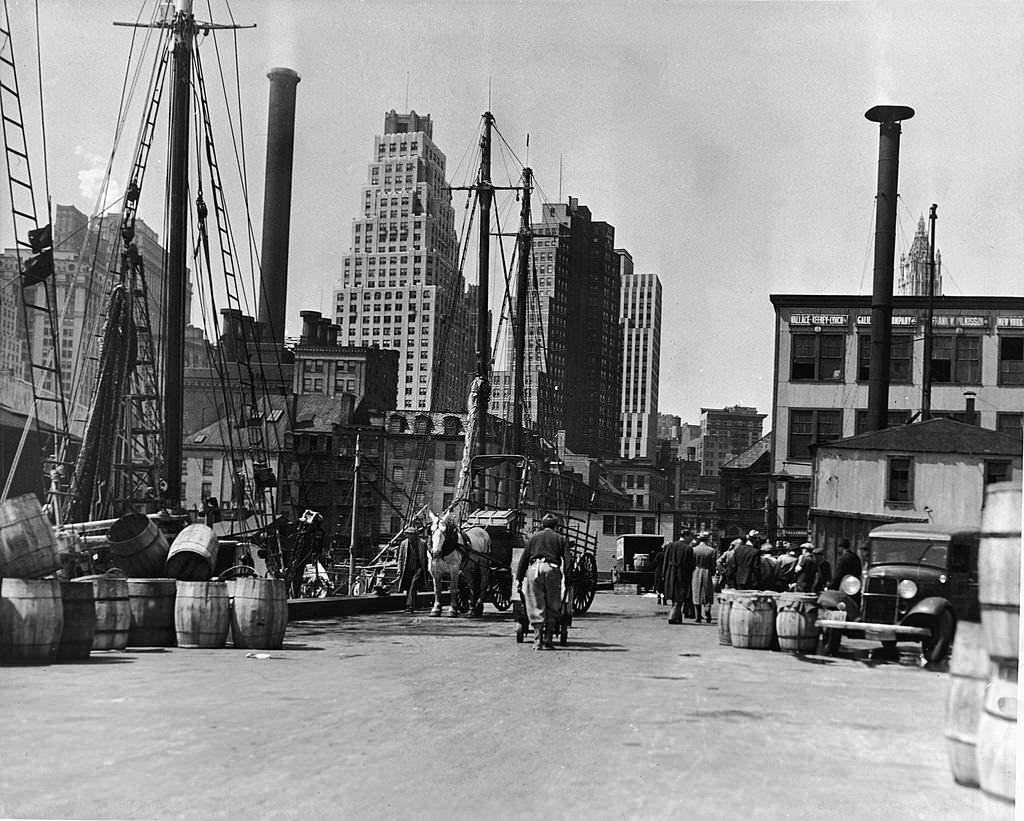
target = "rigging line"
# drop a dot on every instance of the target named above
(867, 248)
(509, 147)
(42, 119)
(255, 264)
(466, 152)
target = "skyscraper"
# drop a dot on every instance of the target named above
(641, 359)
(400, 283)
(591, 395)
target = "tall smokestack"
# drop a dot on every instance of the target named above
(889, 118)
(277, 201)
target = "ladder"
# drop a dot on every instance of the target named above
(36, 272)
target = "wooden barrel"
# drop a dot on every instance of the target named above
(76, 637)
(193, 554)
(795, 617)
(28, 545)
(997, 743)
(152, 606)
(259, 612)
(137, 546)
(968, 680)
(113, 611)
(31, 620)
(999, 570)
(724, 602)
(202, 614)
(641, 561)
(752, 620)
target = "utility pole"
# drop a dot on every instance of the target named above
(926, 371)
(355, 513)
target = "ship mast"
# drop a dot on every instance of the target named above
(485, 193)
(184, 29)
(519, 325)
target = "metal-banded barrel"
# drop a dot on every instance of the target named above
(999, 571)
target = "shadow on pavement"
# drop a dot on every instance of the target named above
(595, 647)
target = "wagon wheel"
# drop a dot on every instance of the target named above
(501, 595)
(585, 583)
(460, 596)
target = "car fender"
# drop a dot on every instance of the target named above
(926, 611)
(831, 599)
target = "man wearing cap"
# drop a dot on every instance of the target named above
(703, 586)
(769, 567)
(541, 567)
(847, 564)
(806, 569)
(786, 568)
(743, 568)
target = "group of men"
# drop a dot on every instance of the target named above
(687, 572)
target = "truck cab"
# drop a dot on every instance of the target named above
(919, 581)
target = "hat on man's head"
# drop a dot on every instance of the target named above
(844, 543)
(754, 534)
(807, 545)
(549, 520)
(703, 536)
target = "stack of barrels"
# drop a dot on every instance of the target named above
(767, 620)
(981, 712)
(156, 595)
(41, 617)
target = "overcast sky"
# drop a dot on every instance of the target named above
(725, 141)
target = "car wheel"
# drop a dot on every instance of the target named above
(829, 641)
(936, 648)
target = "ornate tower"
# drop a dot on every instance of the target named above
(913, 280)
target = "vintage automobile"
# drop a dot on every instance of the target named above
(920, 580)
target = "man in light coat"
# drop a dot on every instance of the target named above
(703, 586)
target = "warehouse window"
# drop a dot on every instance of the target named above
(1010, 423)
(807, 427)
(901, 355)
(1011, 360)
(957, 359)
(899, 488)
(817, 357)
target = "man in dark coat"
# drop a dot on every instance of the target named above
(677, 567)
(413, 557)
(743, 568)
(847, 564)
(824, 575)
(658, 566)
(806, 569)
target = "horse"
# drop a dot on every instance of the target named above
(453, 552)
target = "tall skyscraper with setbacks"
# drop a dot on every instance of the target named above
(400, 283)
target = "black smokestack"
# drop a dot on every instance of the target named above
(889, 118)
(277, 201)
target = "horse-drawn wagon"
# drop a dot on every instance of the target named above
(508, 495)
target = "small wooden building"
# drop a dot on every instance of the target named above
(934, 471)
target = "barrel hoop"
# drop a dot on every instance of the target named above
(1003, 608)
